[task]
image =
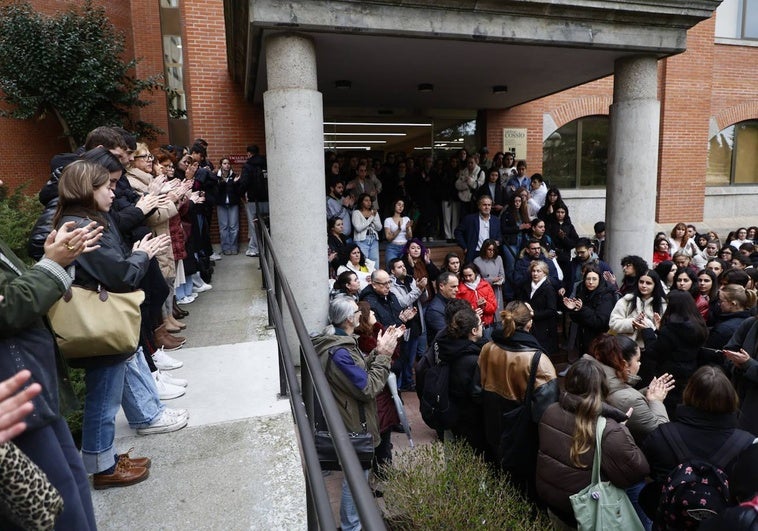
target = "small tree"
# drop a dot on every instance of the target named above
(70, 65)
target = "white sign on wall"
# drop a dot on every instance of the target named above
(514, 140)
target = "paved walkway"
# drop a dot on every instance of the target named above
(236, 465)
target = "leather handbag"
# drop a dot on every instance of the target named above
(363, 444)
(89, 323)
(601, 505)
(518, 439)
(27, 498)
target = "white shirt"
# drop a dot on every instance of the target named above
(484, 231)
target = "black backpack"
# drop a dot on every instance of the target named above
(436, 408)
(696, 489)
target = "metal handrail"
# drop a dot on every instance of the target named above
(314, 381)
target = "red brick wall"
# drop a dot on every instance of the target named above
(708, 80)
(584, 100)
(735, 78)
(147, 42)
(218, 111)
(686, 82)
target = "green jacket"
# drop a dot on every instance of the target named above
(345, 375)
(26, 341)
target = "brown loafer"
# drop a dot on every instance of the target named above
(132, 462)
(123, 476)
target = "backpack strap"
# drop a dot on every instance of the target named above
(675, 442)
(733, 446)
(532, 378)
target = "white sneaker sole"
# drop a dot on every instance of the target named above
(173, 393)
(165, 428)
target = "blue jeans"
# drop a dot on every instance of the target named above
(184, 290)
(251, 215)
(106, 387)
(633, 493)
(392, 251)
(409, 350)
(370, 248)
(53, 450)
(140, 400)
(228, 226)
(349, 519)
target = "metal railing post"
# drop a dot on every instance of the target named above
(302, 401)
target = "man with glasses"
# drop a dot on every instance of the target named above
(386, 307)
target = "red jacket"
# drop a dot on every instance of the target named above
(484, 291)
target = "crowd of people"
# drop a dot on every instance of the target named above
(118, 217)
(663, 351)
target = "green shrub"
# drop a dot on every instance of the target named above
(18, 212)
(447, 486)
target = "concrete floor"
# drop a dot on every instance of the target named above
(236, 465)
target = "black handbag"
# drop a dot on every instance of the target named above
(363, 444)
(518, 439)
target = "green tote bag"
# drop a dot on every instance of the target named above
(602, 506)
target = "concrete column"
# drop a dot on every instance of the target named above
(293, 112)
(632, 160)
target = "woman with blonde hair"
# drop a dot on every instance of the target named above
(141, 179)
(567, 442)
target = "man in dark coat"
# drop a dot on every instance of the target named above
(475, 228)
(434, 315)
(255, 184)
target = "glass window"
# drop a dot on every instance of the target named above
(737, 19)
(750, 19)
(733, 155)
(172, 60)
(576, 155)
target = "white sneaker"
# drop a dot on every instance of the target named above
(251, 253)
(186, 300)
(203, 287)
(166, 423)
(165, 362)
(215, 256)
(166, 378)
(177, 412)
(166, 391)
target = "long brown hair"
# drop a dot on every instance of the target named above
(585, 379)
(76, 191)
(364, 328)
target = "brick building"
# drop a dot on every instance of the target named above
(702, 91)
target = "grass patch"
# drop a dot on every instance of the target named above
(446, 486)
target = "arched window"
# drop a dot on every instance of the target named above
(733, 155)
(576, 155)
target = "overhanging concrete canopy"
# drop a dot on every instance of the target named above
(463, 47)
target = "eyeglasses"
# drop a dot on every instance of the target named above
(147, 157)
(383, 283)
